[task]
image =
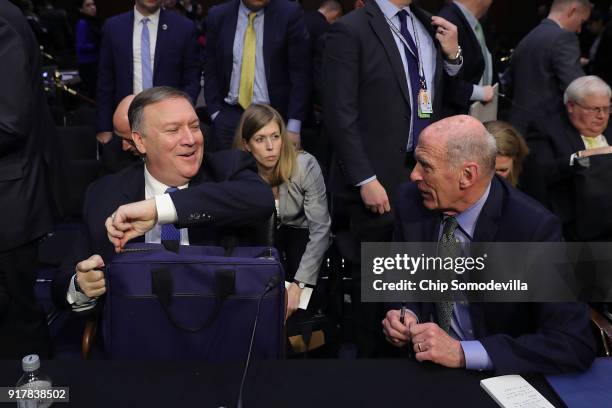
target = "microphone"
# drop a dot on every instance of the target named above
(272, 283)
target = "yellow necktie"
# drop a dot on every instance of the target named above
(591, 142)
(247, 72)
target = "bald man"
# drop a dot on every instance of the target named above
(121, 125)
(454, 195)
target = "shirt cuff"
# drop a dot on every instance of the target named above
(476, 357)
(477, 93)
(452, 69)
(79, 301)
(294, 125)
(214, 115)
(166, 212)
(366, 181)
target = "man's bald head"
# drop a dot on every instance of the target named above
(121, 123)
(465, 139)
(455, 163)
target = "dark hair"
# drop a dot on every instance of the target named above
(149, 97)
(511, 144)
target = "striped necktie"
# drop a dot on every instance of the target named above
(448, 247)
(247, 72)
(145, 56)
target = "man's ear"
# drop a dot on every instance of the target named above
(139, 142)
(469, 175)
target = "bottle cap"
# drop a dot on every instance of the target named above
(30, 363)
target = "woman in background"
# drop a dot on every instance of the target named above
(299, 192)
(511, 150)
(88, 45)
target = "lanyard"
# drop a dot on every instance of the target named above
(417, 43)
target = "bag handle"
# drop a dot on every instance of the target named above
(162, 287)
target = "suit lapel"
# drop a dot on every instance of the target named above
(268, 36)
(382, 31)
(573, 137)
(160, 44)
(227, 40)
(127, 31)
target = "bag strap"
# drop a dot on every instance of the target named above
(162, 287)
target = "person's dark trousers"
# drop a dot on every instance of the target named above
(23, 326)
(224, 128)
(366, 226)
(89, 76)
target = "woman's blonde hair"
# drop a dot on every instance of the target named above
(511, 144)
(254, 118)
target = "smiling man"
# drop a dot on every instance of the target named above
(456, 197)
(223, 191)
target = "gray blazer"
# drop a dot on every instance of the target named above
(542, 66)
(303, 204)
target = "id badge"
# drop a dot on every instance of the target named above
(425, 108)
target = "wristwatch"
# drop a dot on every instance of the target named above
(458, 59)
(301, 285)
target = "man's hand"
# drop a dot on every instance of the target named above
(489, 93)
(375, 198)
(446, 34)
(295, 139)
(596, 151)
(293, 299)
(130, 221)
(397, 333)
(104, 137)
(431, 343)
(90, 277)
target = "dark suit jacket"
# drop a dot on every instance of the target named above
(542, 66)
(519, 337)
(227, 193)
(366, 104)
(458, 90)
(602, 64)
(25, 213)
(286, 50)
(176, 61)
(551, 144)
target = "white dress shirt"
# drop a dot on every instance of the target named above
(136, 36)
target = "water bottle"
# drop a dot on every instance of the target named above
(33, 379)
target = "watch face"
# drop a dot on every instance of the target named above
(302, 285)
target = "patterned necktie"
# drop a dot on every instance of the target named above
(145, 56)
(168, 231)
(412, 60)
(448, 247)
(487, 76)
(591, 142)
(247, 72)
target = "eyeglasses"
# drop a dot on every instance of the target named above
(595, 111)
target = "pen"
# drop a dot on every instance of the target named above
(402, 312)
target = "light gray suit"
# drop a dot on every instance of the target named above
(542, 66)
(303, 204)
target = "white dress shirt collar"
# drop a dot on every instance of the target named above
(153, 18)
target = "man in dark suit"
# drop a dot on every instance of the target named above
(556, 145)
(383, 68)
(456, 197)
(24, 207)
(545, 62)
(171, 41)
(257, 51)
(476, 77)
(224, 192)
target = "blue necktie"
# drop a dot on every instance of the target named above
(169, 231)
(145, 56)
(412, 59)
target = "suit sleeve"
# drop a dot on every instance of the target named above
(566, 59)
(299, 67)
(563, 342)
(341, 63)
(106, 83)
(191, 64)
(211, 60)
(15, 98)
(239, 198)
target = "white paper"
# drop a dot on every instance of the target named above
(304, 296)
(512, 391)
(486, 112)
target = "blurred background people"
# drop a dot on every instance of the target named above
(87, 46)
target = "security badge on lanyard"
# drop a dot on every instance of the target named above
(424, 97)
